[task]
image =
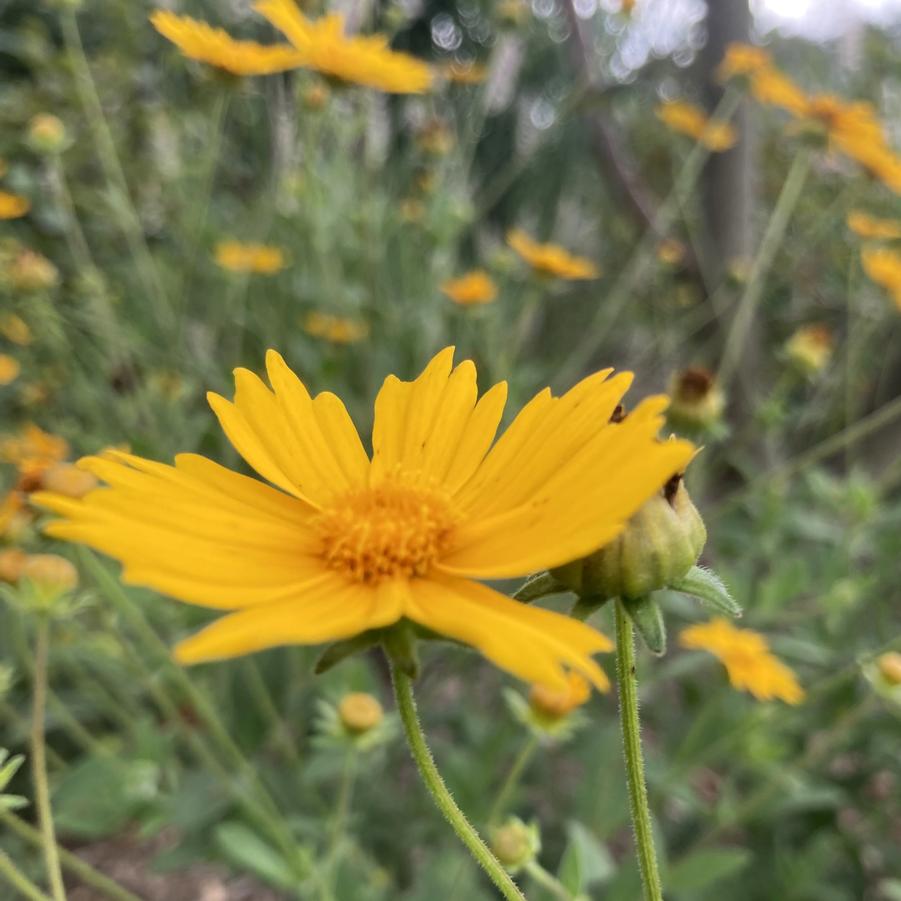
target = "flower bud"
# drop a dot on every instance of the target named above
(316, 95)
(890, 667)
(47, 134)
(49, 577)
(659, 545)
(515, 844)
(554, 703)
(68, 479)
(360, 712)
(697, 401)
(12, 560)
(810, 348)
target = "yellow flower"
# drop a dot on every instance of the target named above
(343, 543)
(322, 45)
(889, 665)
(688, 119)
(46, 133)
(747, 658)
(551, 259)
(360, 712)
(14, 328)
(554, 703)
(336, 329)
(11, 560)
(464, 73)
(12, 206)
(671, 252)
(32, 452)
(867, 226)
(742, 59)
(9, 369)
(475, 287)
(67, 479)
(197, 40)
(774, 88)
(260, 258)
(810, 347)
(30, 271)
(883, 266)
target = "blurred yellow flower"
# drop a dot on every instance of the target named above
(883, 266)
(323, 45)
(810, 347)
(46, 133)
(671, 252)
(12, 206)
(691, 120)
(772, 87)
(32, 452)
(200, 41)
(551, 259)
(554, 703)
(12, 559)
(9, 369)
(697, 399)
(30, 271)
(67, 479)
(360, 712)
(889, 665)
(747, 658)
(867, 226)
(14, 328)
(464, 73)
(475, 287)
(344, 543)
(259, 258)
(336, 329)
(49, 575)
(742, 59)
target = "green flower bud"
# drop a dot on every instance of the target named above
(516, 844)
(696, 400)
(47, 134)
(659, 545)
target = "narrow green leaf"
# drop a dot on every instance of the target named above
(245, 849)
(647, 618)
(708, 587)
(538, 586)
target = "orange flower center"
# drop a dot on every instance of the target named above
(385, 532)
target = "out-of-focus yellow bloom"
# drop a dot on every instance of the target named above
(46, 133)
(336, 329)
(14, 328)
(889, 665)
(435, 138)
(742, 59)
(691, 120)
(475, 287)
(551, 259)
(464, 73)
(774, 88)
(867, 226)
(49, 576)
(341, 543)
(810, 347)
(323, 45)
(315, 95)
(555, 703)
(259, 258)
(747, 658)
(359, 712)
(12, 559)
(9, 369)
(883, 266)
(697, 399)
(32, 452)
(411, 209)
(14, 514)
(12, 206)
(671, 252)
(30, 271)
(67, 479)
(200, 41)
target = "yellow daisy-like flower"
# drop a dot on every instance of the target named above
(259, 258)
(33, 451)
(346, 543)
(747, 658)
(883, 266)
(866, 226)
(774, 88)
(551, 259)
(742, 59)
(691, 120)
(336, 329)
(200, 41)
(323, 45)
(12, 206)
(475, 287)
(9, 369)
(555, 703)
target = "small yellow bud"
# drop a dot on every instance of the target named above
(46, 133)
(810, 348)
(554, 703)
(30, 272)
(68, 479)
(697, 401)
(49, 576)
(359, 712)
(11, 562)
(890, 667)
(515, 844)
(316, 95)
(14, 328)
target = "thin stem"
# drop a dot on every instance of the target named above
(406, 705)
(39, 763)
(512, 781)
(78, 867)
(638, 792)
(339, 821)
(548, 881)
(19, 881)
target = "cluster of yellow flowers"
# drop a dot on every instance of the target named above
(262, 259)
(691, 120)
(473, 288)
(335, 329)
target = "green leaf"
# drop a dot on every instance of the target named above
(707, 587)
(705, 867)
(341, 650)
(647, 618)
(585, 861)
(538, 586)
(246, 850)
(8, 768)
(13, 802)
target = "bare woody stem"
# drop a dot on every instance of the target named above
(406, 705)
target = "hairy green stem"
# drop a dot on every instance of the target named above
(39, 762)
(627, 684)
(406, 705)
(19, 881)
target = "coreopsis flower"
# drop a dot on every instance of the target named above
(14, 515)
(866, 226)
(742, 59)
(12, 206)
(9, 369)
(14, 328)
(555, 703)
(691, 120)
(335, 329)
(46, 578)
(261, 259)
(200, 41)
(774, 88)
(29, 272)
(810, 347)
(475, 287)
(323, 45)
(33, 451)
(747, 658)
(551, 259)
(883, 266)
(67, 479)
(342, 543)
(697, 399)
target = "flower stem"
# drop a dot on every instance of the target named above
(548, 881)
(406, 705)
(19, 881)
(512, 780)
(39, 763)
(339, 821)
(628, 717)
